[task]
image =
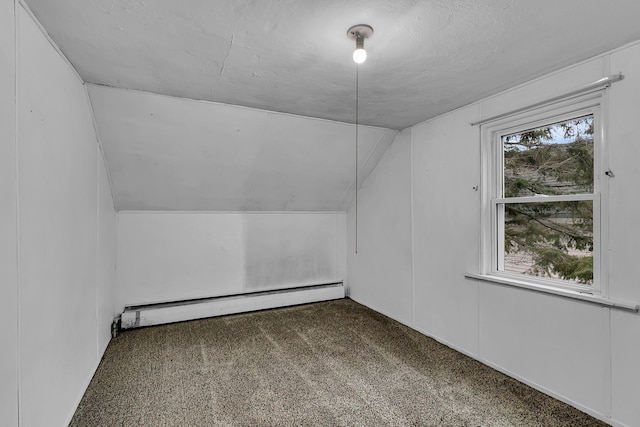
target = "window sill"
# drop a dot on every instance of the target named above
(595, 299)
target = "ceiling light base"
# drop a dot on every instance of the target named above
(362, 29)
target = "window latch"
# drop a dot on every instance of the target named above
(609, 173)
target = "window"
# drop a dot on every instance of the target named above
(542, 196)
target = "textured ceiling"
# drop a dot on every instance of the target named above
(425, 58)
(293, 56)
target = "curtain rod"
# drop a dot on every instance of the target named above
(597, 85)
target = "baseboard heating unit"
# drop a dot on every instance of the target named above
(178, 311)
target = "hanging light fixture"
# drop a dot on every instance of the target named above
(359, 33)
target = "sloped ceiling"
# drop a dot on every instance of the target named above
(426, 57)
(267, 57)
(176, 154)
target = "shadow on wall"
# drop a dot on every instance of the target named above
(289, 253)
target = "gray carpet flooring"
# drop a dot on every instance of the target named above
(335, 363)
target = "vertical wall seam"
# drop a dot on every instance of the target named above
(97, 299)
(605, 242)
(604, 186)
(16, 22)
(245, 246)
(608, 368)
(335, 249)
(481, 242)
(116, 222)
(413, 256)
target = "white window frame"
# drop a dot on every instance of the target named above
(492, 176)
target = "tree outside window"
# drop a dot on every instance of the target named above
(551, 238)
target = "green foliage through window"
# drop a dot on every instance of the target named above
(551, 239)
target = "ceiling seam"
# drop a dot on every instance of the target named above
(53, 44)
(240, 107)
(112, 187)
(364, 165)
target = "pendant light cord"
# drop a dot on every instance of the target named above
(356, 201)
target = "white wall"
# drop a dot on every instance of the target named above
(66, 234)
(582, 353)
(445, 168)
(163, 256)
(384, 225)
(8, 194)
(624, 158)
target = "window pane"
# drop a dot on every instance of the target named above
(550, 239)
(550, 160)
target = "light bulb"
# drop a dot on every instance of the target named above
(359, 55)
(359, 33)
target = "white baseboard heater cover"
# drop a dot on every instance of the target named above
(178, 311)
